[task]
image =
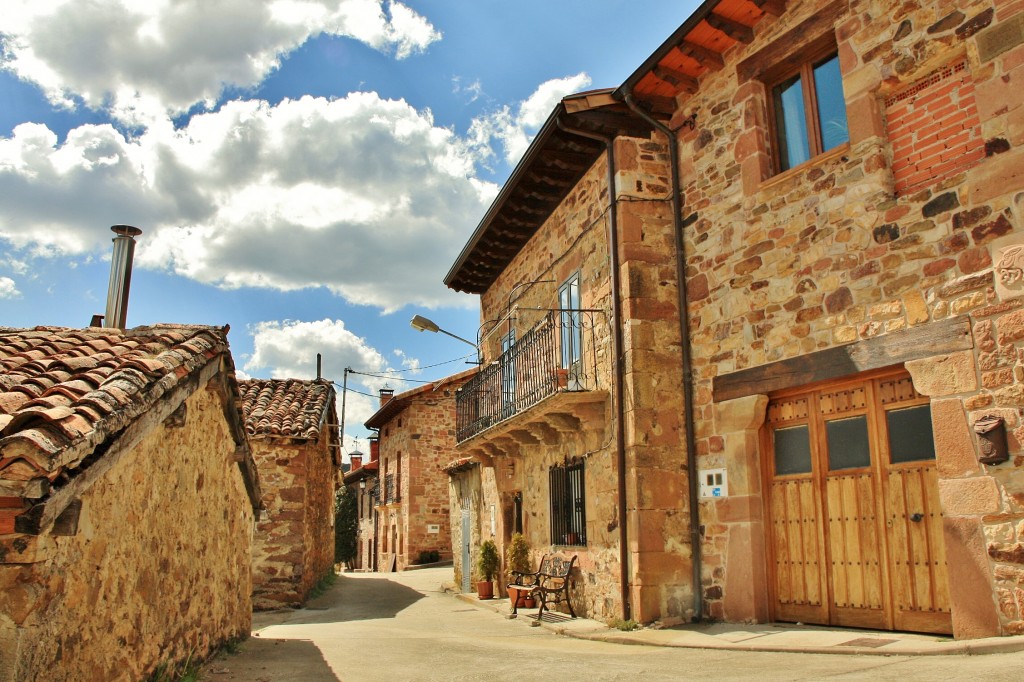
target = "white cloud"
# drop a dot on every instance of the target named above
(287, 349)
(166, 55)
(364, 196)
(515, 127)
(8, 289)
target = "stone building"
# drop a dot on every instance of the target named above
(833, 191)
(416, 436)
(128, 498)
(293, 434)
(361, 479)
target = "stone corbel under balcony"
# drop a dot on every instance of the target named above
(560, 417)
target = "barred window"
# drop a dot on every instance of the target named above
(568, 504)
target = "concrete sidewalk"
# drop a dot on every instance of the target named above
(775, 637)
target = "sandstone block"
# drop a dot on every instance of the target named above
(944, 375)
(969, 496)
(954, 444)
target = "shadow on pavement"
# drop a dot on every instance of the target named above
(271, 660)
(348, 599)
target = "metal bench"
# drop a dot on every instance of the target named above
(549, 584)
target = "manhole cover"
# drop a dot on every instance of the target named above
(871, 642)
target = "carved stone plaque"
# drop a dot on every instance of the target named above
(1008, 263)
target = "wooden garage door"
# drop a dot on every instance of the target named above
(856, 529)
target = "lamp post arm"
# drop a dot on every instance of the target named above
(458, 337)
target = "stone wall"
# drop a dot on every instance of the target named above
(159, 569)
(414, 447)
(850, 246)
(294, 544)
(575, 238)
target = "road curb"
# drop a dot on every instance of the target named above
(602, 633)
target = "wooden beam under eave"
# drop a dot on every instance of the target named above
(705, 56)
(658, 106)
(675, 78)
(772, 7)
(735, 30)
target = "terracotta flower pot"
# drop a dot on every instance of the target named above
(485, 589)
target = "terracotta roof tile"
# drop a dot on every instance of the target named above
(292, 408)
(65, 391)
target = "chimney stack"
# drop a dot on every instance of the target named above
(120, 275)
(374, 448)
(385, 395)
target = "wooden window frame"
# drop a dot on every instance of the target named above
(801, 63)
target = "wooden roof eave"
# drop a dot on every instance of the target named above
(674, 40)
(531, 194)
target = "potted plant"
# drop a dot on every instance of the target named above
(488, 563)
(517, 560)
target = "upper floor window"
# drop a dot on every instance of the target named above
(808, 110)
(570, 322)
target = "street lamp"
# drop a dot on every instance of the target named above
(422, 324)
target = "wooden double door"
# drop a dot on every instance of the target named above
(855, 523)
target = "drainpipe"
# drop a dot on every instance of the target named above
(120, 275)
(684, 336)
(620, 428)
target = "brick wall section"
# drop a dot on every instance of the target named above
(829, 253)
(934, 129)
(159, 568)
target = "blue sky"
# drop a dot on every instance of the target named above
(303, 170)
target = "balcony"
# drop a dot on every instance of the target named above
(555, 363)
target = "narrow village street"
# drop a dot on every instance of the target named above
(403, 626)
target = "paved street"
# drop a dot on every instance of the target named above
(404, 627)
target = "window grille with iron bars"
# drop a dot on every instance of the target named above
(568, 504)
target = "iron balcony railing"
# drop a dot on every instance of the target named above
(391, 493)
(557, 354)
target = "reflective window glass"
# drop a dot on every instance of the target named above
(828, 85)
(791, 123)
(910, 434)
(848, 445)
(792, 450)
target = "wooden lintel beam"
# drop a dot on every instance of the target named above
(937, 338)
(773, 7)
(675, 78)
(735, 30)
(706, 57)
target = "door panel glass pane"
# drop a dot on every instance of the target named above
(910, 434)
(791, 123)
(828, 85)
(792, 450)
(848, 446)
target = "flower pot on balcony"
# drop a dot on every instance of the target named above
(561, 378)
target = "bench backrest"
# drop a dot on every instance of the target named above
(557, 566)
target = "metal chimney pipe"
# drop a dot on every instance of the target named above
(120, 275)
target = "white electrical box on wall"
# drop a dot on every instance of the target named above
(714, 483)
(433, 528)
